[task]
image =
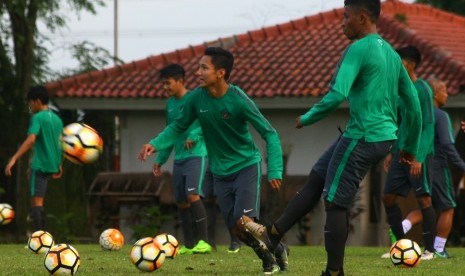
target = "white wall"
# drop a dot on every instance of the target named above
(305, 145)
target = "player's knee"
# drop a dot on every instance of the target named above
(424, 201)
(389, 200)
(193, 198)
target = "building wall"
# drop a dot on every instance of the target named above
(304, 146)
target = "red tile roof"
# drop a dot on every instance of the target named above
(292, 59)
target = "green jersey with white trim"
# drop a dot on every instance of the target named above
(371, 77)
(48, 152)
(224, 122)
(174, 107)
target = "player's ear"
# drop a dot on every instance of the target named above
(221, 73)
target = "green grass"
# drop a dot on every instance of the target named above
(16, 260)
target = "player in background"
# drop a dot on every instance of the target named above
(401, 178)
(443, 197)
(371, 77)
(44, 137)
(189, 165)
(224, 112)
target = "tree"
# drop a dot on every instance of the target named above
(456, 6)
(23, 63)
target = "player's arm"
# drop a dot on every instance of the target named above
(446, 139)
(25, 147)
(427, 118)
(346, 73)
(273, 143)
(194, 136)
(171, 133)
(412, 115)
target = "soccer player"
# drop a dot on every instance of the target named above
(44, 136)
(443, 197)
(224, 111)
(401, 178)
(371, 77)
(189, 165)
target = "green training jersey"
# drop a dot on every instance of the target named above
(371, 77)
(425, 96)
(47, 127)
(174, 107)
(224, 122)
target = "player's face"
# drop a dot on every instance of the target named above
(351, 23)
(441, 95)
(172, 86)
(207, 74)
(34, 105)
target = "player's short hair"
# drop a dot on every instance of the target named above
(174, 71)
(221, 58)
(410, 53)
(38, 92)
(372, 7)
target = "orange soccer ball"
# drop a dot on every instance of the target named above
(111, 239)
(405, 253)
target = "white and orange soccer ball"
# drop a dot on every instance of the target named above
(169, 244)
(147, 255)
(111, 239)
(405, 253)
(40, 242)
(62, 259)
(7, 213)
(81, 143)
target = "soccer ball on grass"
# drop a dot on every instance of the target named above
(147, 255)
(62, 259)
(111, 239)
(40, 242)
(169, 244)
(405, 253)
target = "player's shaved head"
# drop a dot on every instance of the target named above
(371, 7)
(410, 53)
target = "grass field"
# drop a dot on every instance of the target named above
(16, 260)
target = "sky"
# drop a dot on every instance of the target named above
(152, 27)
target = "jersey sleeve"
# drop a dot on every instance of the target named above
(346, 73)
(34, 126)
(270, 135)
(195, 134)
(173, 131)
(412, 112)
(443, 128)
(427, 129)
(163, 155)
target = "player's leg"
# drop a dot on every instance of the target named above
(194, 172)
(185, 214)
(38, 186)
(209, 201)
(443, 198)
(397, 184)
(246, 191)
(349, 164)
(422, 186)
(301, 203)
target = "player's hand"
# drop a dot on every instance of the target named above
(415, 169)
(156, 169)
(275, 184)
(298, 124)
(406, 158)
(189, 144)
(9, 166)
(462, 125)
(145, 151)
(387, 162)
(58, 174)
